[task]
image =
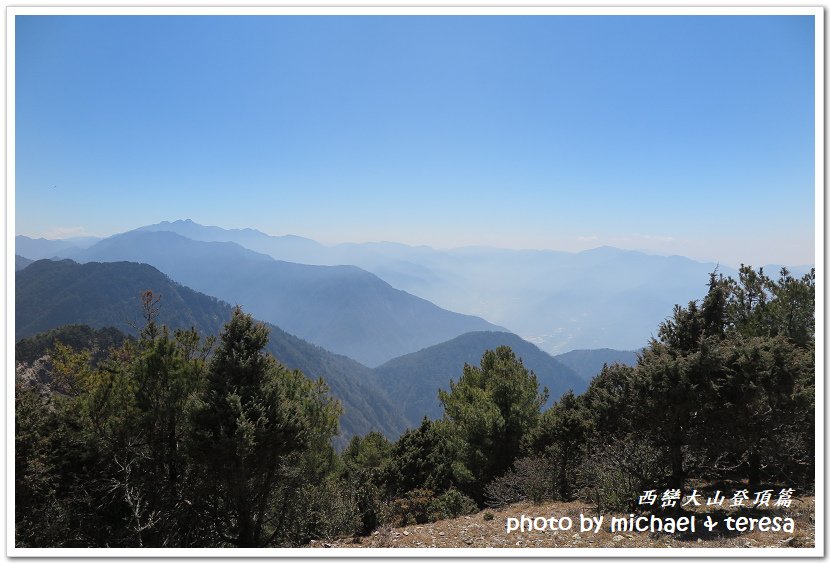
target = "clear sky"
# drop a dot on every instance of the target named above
(676, 135)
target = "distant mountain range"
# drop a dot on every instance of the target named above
(341, 308)
(288, 247)
(414, 379)
(561, 301)
(51, 294)
(39, 248)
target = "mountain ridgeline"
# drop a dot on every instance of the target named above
(341, 308)
(53, 293)
(40, 248)
(560, 301)
(599, 298)
(588, 363)
(414, 379)
(21, 262)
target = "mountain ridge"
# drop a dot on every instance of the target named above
(603, 297)
(342, 308)
(597, 298)
(414, 379)
(588, 363)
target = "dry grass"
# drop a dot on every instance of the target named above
(477, 531)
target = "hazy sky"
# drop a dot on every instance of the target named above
(676, 135)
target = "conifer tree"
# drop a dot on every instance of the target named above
(490, 409)
(250, 428)
(562, 434)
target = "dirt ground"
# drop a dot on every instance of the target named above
(481, 531)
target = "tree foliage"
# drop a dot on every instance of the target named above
(489, 411)
(164, 444)
(251, 424)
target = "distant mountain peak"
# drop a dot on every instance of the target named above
(197, 229)
(607, 249)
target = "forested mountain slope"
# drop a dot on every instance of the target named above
(414, 379)
(51, 294)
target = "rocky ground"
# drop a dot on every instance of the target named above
(487, 529)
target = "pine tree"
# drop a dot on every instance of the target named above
(250, 429)
(489, 411)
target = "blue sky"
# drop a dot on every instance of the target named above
(675, 135)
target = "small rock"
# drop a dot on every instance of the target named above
(618, 538)
(440, 533)
(468, 541)
(326, 545)
(405, 533)
(575, 536)
(699, 540)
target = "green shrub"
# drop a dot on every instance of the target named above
(451, 504)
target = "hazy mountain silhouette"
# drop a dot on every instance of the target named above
(289, 248)
(561, 301)
(21, 262)
(385, 259)
(588, 363)
(342, 308)
(599, 298)
(39, 248)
